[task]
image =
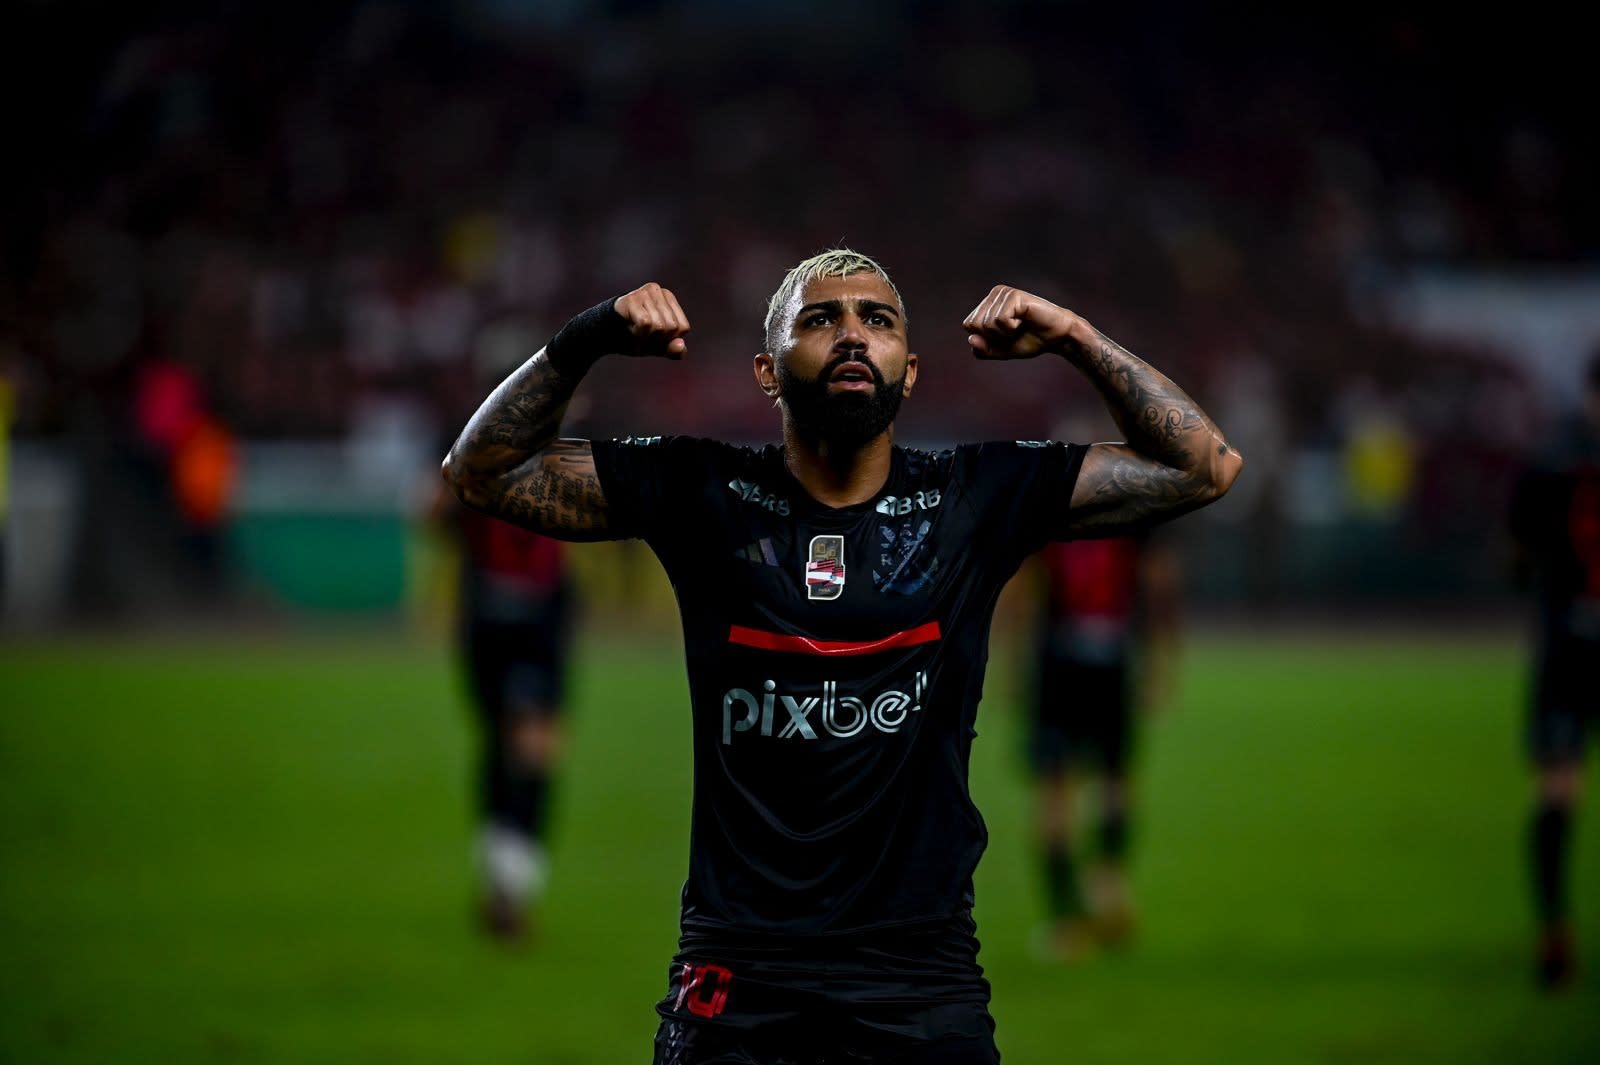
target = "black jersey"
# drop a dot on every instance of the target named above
(835, 661)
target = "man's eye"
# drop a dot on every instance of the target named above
(877, 319)
(817, 319)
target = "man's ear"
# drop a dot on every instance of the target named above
(911, 374)
(766, 369)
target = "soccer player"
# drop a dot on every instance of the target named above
(513, 630)
(1555, 523)
(836, 593)
(1106, 641)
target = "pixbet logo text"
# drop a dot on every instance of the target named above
(825, 713)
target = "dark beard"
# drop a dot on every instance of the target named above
(845, 419)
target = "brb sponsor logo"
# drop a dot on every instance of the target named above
(826, 713)
(751, 492)
(902, 505)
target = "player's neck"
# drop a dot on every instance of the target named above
(836, 475)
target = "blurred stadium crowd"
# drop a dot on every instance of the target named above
(245, 225)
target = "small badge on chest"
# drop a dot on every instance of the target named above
(825, 568)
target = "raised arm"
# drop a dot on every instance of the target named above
(509, 460)
(1173, 458)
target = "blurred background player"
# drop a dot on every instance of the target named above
(1555, 523)
(513, 607)
(7, 408)
(1107, 640)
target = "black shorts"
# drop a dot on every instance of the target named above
(1565, 709)
(907, 997)
(517, 667)
(1082, 714)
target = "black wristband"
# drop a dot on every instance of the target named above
(598, 331)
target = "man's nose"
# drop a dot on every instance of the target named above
(850, 333)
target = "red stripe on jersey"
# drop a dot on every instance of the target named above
(804, 645)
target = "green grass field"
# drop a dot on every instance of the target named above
(237, 850)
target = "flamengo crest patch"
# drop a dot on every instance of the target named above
(825, 568)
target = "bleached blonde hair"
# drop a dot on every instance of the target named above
(835, 262)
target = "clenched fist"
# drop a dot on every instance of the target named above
(655, 320)
(1013, 324)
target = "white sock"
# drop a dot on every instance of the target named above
(514, 865)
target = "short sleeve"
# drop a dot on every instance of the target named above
(651, 482)
(1023, 489)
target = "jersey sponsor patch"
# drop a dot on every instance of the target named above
(903, 505)
(842, 717)
(753, 493)
(825, 567)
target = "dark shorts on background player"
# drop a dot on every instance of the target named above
(1082, 715)
(1565, 709)
(517, 667)
(912, 996)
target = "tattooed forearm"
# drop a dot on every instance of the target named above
(519, 418)
(509, 462)
(1174, 457)
(1157, 418)
(560, 494)
(1119, 489)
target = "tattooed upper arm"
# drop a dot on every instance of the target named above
(1119, 489)
(556, 492)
